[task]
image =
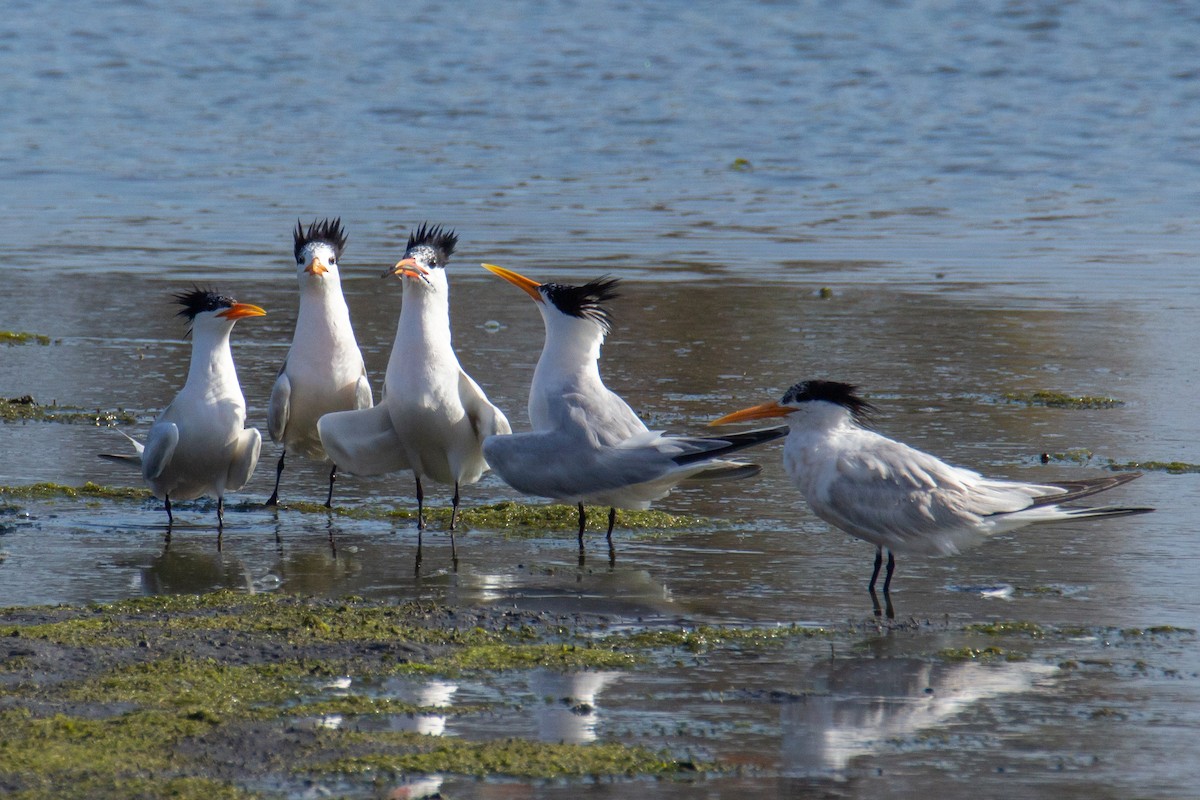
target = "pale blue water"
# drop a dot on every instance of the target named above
(1002, 197)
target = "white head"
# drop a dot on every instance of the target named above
(318, 250)
(569, 312)
(208, 311)
(423, 267)
(810, 403)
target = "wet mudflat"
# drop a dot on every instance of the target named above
(972, 211)
(732, 649)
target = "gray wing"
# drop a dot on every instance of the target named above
(486, 419)
(911, 501)
(160, 446)
(362, 392)
(362, 442)
(564, 465)
(278, 409)
(245, 459)
(134, 459)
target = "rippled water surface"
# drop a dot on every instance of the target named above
(941, 202)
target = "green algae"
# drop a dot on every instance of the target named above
(129, 755)
(1060, 400)
(72, 632)
(1007, 628)
(89, 490)
(21, 337)
(972, 653)
(26, 409)
(501, 657)
(510, 516)
(409, 753)
(701, 638)
(1086, 457)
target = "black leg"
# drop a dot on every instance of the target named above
(612, 520)
(420, 504)
(582, 525)
(273, 500)
(332, 478)
(220, 513)
(454, 512)
(878, 564)
(887, 581)
(170, 516)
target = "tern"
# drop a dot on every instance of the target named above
(900, 498)
(433, 417)
(324, 369)
(199, 445)
(587, 445)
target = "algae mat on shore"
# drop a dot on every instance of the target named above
(201, 696)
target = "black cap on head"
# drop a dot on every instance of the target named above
(439, 240)
(842, 394)
(329, 231)
(585, 302)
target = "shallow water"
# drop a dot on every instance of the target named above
(1000, 197)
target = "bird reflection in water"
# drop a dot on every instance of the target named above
(568, 713)
(860, 706)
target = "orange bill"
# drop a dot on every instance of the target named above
(316, 267)
(239, 310)
(530, 287)
(407, 267)
(762, 411)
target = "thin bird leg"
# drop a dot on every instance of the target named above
(170, 516)
(420, 504)
(273, 500)
(582, 525)
(891, 567)
(332, 478)
(220, 513)
(612, 520)
(454, 512)
(878, 564)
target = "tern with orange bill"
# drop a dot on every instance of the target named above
(433, 417)
(899, 498)
(324, 369)
(587, 445)
(199, 445)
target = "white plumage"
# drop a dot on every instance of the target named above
(199, 445)
(900, 498)
(324, 369)
(433, 417)
(587, 445)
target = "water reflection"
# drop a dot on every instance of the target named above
(860, 706)
(432, 694)
(568, 711)
(194, 567)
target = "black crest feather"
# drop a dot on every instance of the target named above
(585, 301)
(442, 241)
(197, 301)
(842, 394)
(329, 231)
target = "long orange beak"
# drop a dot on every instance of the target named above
(762, 411)
(316, 267)
(239, 310)
(530, 287)
(407, 268)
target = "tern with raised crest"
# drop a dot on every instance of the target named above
(324, 369)
(199, 445)
(587, 445)
(433, 417)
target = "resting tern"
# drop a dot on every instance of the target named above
(324, 369)
(587, 444)
(433, 418)
(199, 444)
(900, 498)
